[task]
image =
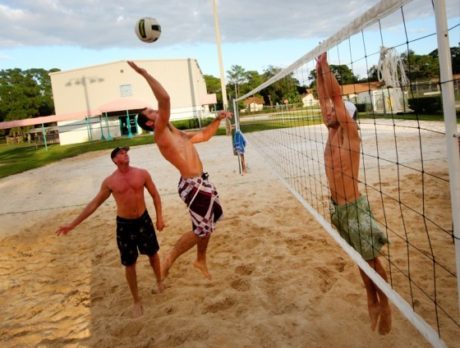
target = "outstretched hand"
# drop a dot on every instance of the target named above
(136, 68)
(320, 60)
(224, 115)
(63, 230)
(160, 225)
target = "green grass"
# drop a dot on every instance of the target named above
(285, 122)
(19, 158)
(404, 117)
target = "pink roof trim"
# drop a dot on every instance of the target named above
(48, 119)
(121, 104)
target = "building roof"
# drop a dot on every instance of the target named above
(356, 88)
(254, 100)
(48, 119)
(124, 104)
(117, 62)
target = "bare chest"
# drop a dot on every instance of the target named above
(127, 185)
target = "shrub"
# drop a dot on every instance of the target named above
(191, 123)
(362, 107)
(426, 105)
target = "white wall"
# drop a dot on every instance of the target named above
(88, 88)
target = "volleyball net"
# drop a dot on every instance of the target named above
(409, 157)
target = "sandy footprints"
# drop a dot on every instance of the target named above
(246, 269)
(220, 303)
(241, 283)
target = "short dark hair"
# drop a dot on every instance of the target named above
(142, 121)
(116, 150)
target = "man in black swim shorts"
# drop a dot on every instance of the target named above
(135, 231)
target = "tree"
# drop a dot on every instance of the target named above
(25, 94)
(420, 67)
(236, 76)
(455, 55)
(343, 74)
(253, 80)
(213, 86)
(282, 90)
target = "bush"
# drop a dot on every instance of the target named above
(191, 123)
(426, 105)
(362, 107)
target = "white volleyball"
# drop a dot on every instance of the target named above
(148, 29)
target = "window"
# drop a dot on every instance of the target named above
(126, 90)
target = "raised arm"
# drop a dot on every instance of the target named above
(100, 198)
(323, 98)
(333, 91)
(149, 184)
(162, 97)
(208, 132)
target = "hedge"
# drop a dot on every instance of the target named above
(426, 105)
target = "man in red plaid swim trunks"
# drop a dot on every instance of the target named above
(195, 189)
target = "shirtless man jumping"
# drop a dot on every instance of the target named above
(350, 211)
(135, 230)
(197, 192)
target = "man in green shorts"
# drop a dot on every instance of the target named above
(350, 211)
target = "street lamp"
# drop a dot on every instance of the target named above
(84, 81)
(219, 54)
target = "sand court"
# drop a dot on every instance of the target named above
(278, 279)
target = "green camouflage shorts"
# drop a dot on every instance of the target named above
(357, 226)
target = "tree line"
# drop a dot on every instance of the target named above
(27, 93)
(239, 81)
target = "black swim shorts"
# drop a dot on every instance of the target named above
(136, 236)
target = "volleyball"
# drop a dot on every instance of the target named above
(148, 29)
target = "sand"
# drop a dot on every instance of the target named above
(278, 279)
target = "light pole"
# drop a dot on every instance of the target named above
(84, 80)
(219, 55)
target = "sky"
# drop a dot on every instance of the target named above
(255, 34)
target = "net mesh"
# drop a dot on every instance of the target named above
(403, 163)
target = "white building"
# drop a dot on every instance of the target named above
(309, 100)
(112, 94)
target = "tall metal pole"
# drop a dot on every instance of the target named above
(219, 54)
(450, 121)
(88, 111)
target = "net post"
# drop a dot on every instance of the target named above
(237, 128)
(450, 120)
(237, 114)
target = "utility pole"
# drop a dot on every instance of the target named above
(219, 54)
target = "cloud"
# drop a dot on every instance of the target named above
(110, 24)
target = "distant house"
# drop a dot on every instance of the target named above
(379, 98)
(309, 99)
(359, 92)
(254, 104)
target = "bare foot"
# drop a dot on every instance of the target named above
(165, 265)
(203, 268)
(385, 320)
(374, 313)
(160, 287)
(137, 310)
